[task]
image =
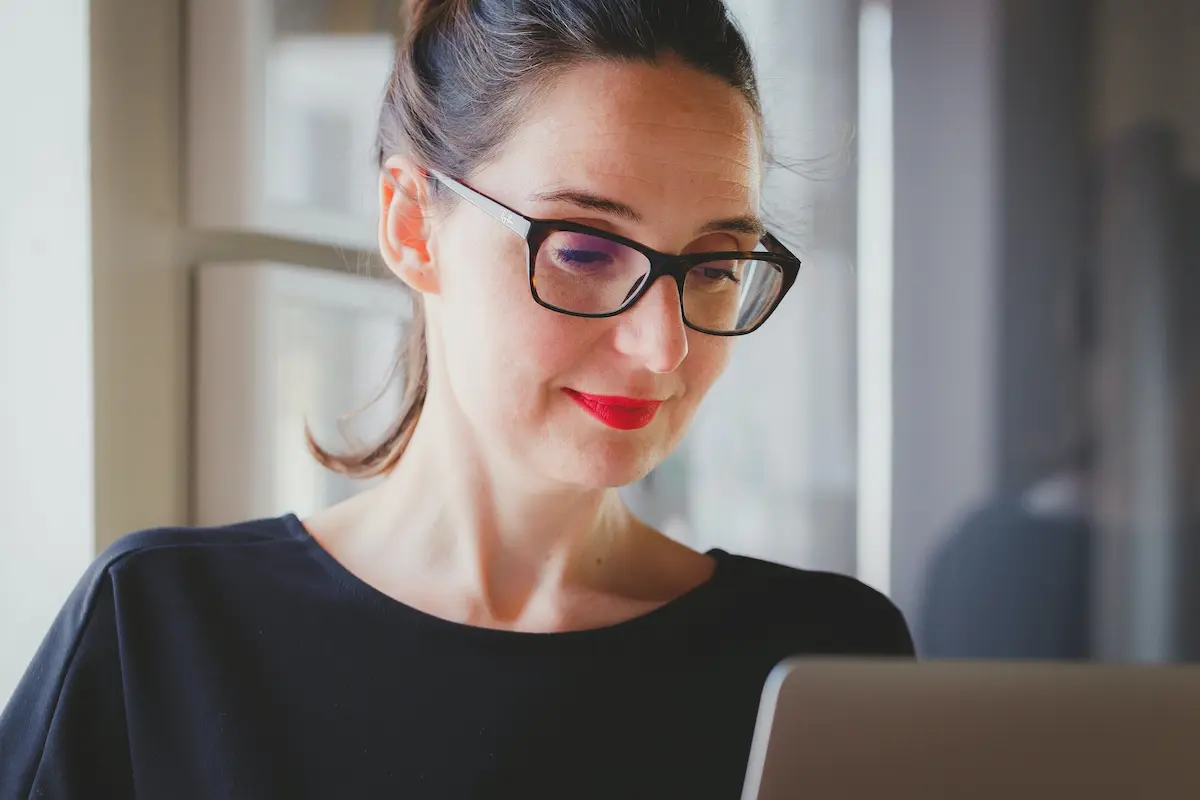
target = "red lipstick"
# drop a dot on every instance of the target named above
(622, 413)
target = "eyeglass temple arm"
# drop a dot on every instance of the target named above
(509, 218)
(773, 245)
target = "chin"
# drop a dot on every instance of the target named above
(607, 461)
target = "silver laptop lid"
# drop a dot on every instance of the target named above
(979, 730)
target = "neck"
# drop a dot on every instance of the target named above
(466, 517)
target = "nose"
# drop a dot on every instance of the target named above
(653, 331)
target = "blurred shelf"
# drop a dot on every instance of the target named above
(281, 124)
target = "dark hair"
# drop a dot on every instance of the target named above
(465, 71)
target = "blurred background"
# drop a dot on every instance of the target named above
(982, 396)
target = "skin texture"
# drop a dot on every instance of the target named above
(503, 511)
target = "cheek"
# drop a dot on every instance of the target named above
(706, 361)
(502, 349)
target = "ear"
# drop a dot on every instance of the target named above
(404, 228)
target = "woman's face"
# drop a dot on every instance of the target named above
(661, 150)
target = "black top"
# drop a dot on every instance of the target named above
(245, 662)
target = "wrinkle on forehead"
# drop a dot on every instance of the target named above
(646, 104)
(723, 189)
(644, 135)
(746, 164)
(724, 144)
(737, 185)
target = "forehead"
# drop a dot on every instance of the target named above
(646, 133)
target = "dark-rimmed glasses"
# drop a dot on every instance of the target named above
(587, 272)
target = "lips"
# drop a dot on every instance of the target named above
(622, 413)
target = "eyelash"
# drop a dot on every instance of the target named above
(726, 274)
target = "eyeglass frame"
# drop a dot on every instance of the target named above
(535, 231)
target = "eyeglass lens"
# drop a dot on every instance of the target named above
(584, 274)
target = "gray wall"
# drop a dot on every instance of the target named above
(1044, 180)
(947, 232)
(992, 182)
(1145, 124)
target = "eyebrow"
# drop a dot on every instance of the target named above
(746, 223)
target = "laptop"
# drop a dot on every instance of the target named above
(974, 729)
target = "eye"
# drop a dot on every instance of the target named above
(714, 273)
(582, 259)
(717, 273)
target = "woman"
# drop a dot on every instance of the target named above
(563, 184)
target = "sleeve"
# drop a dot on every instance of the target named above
(871, 624)
(63, 733)
(892, 636)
